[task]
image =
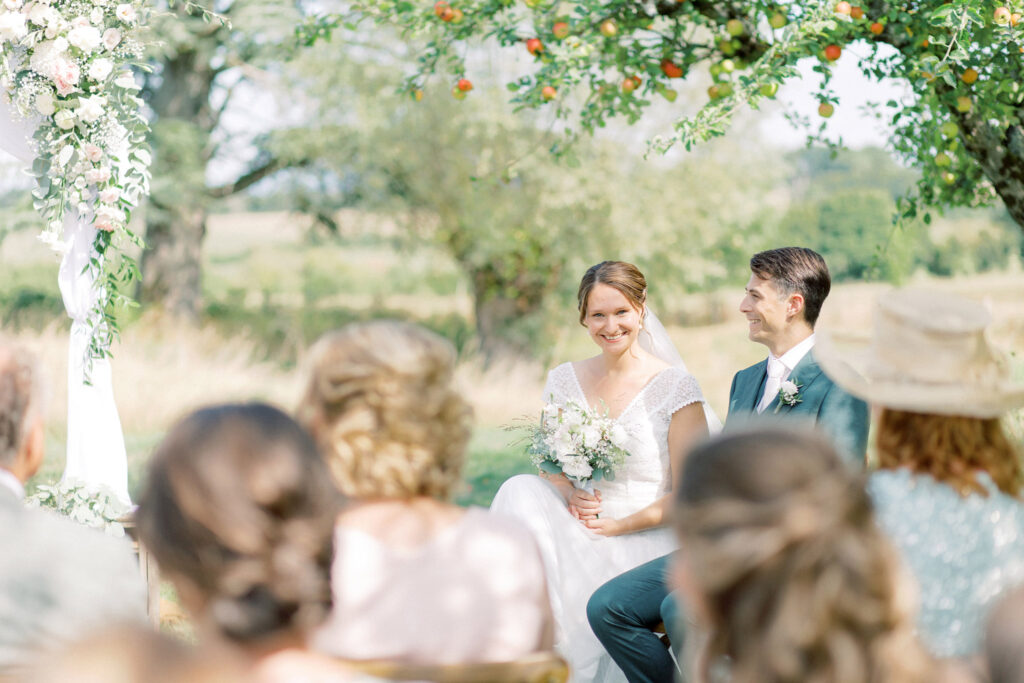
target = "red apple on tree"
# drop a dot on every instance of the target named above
(876, 28)
(857, 12)
(670, 69)
(534, 46)
(825, 110)
(1002, 16)
(843, 7)
(832, 52)
(439, 7)
(609, 28)
(560, 30)
(548, 92)
(464, 84)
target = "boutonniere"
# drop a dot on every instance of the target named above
(789, 394)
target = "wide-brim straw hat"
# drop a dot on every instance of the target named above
(927, 353)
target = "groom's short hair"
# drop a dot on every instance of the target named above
(796, 269)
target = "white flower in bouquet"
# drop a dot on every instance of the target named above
(577, 468)
(125, 13)
(96, 16)
(65, 119)
(100, 69)
(562, 443)
(618, 435)
(85, 37)
(44, 104)
(591, 435)
(111, 38)
(81, 183)
(92, 152)
(12, 4)
(13, 26)
(40, 14)
(95, 176)
(61, 45)
(90, 109)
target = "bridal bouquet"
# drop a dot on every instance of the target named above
(578, 442)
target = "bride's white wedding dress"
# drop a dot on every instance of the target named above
(577, 561)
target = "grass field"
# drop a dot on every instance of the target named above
(273, 292)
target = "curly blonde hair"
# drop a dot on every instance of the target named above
(381, 403)
(780, 540)
(950, 448)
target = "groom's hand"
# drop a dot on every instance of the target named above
(584, 506)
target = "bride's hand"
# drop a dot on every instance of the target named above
(585, 506)
(606, 526)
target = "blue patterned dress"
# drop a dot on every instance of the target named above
(964, 552)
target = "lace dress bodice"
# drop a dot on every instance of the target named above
(646, 474)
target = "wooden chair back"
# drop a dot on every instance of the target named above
(540, 667)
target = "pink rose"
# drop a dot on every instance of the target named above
(92, 152)
(111, 38)
(104, 223)
(110, 195)
(65, 76)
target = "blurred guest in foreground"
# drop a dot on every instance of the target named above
(416, 578)
(783, 567)
(58, 580)
(948, 484)
(238, 511)
(1004, 640)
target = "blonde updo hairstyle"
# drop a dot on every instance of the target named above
(623, 276)
(239, 508)
(800, 585)
(381, 403)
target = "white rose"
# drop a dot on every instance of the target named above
(127, 81)
(44, 104)
(100, 69)
(577, 468)
(111, 38)
(50, 32)
(65, 119)
(13, 26)
(97, 175)
(591, 435)
(789, 388)
(60, 44)
(110, 195)
(91, 108)
(92, 152)
(96, 15)
(39, 14)
(81, 183)
(618, 435)
(125, 13)
(12, 4)
(85, 38)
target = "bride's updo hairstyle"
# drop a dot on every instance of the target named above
(781, 548)
(239, 511)
(381, 403)
(623, 276)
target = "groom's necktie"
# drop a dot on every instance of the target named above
(776, 369)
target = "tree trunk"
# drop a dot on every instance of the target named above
(1001, 157)
(171, 264)
(508, 313)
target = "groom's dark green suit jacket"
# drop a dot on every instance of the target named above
(839, 414)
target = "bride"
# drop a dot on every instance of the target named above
(586, 539)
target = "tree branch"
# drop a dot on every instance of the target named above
(250, 178)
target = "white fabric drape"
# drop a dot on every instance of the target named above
(95, 446)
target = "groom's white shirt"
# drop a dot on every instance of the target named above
(789, 360)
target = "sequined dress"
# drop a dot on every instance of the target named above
(576, 560)
(964, 552)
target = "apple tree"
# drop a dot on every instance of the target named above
(962, 123)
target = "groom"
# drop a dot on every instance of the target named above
(784, 295)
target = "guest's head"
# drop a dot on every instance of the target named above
(238, 511)
(784, 295)
(1004, 640)
(21, 412)
(783, 562)
(940, 385)
(381, 402)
